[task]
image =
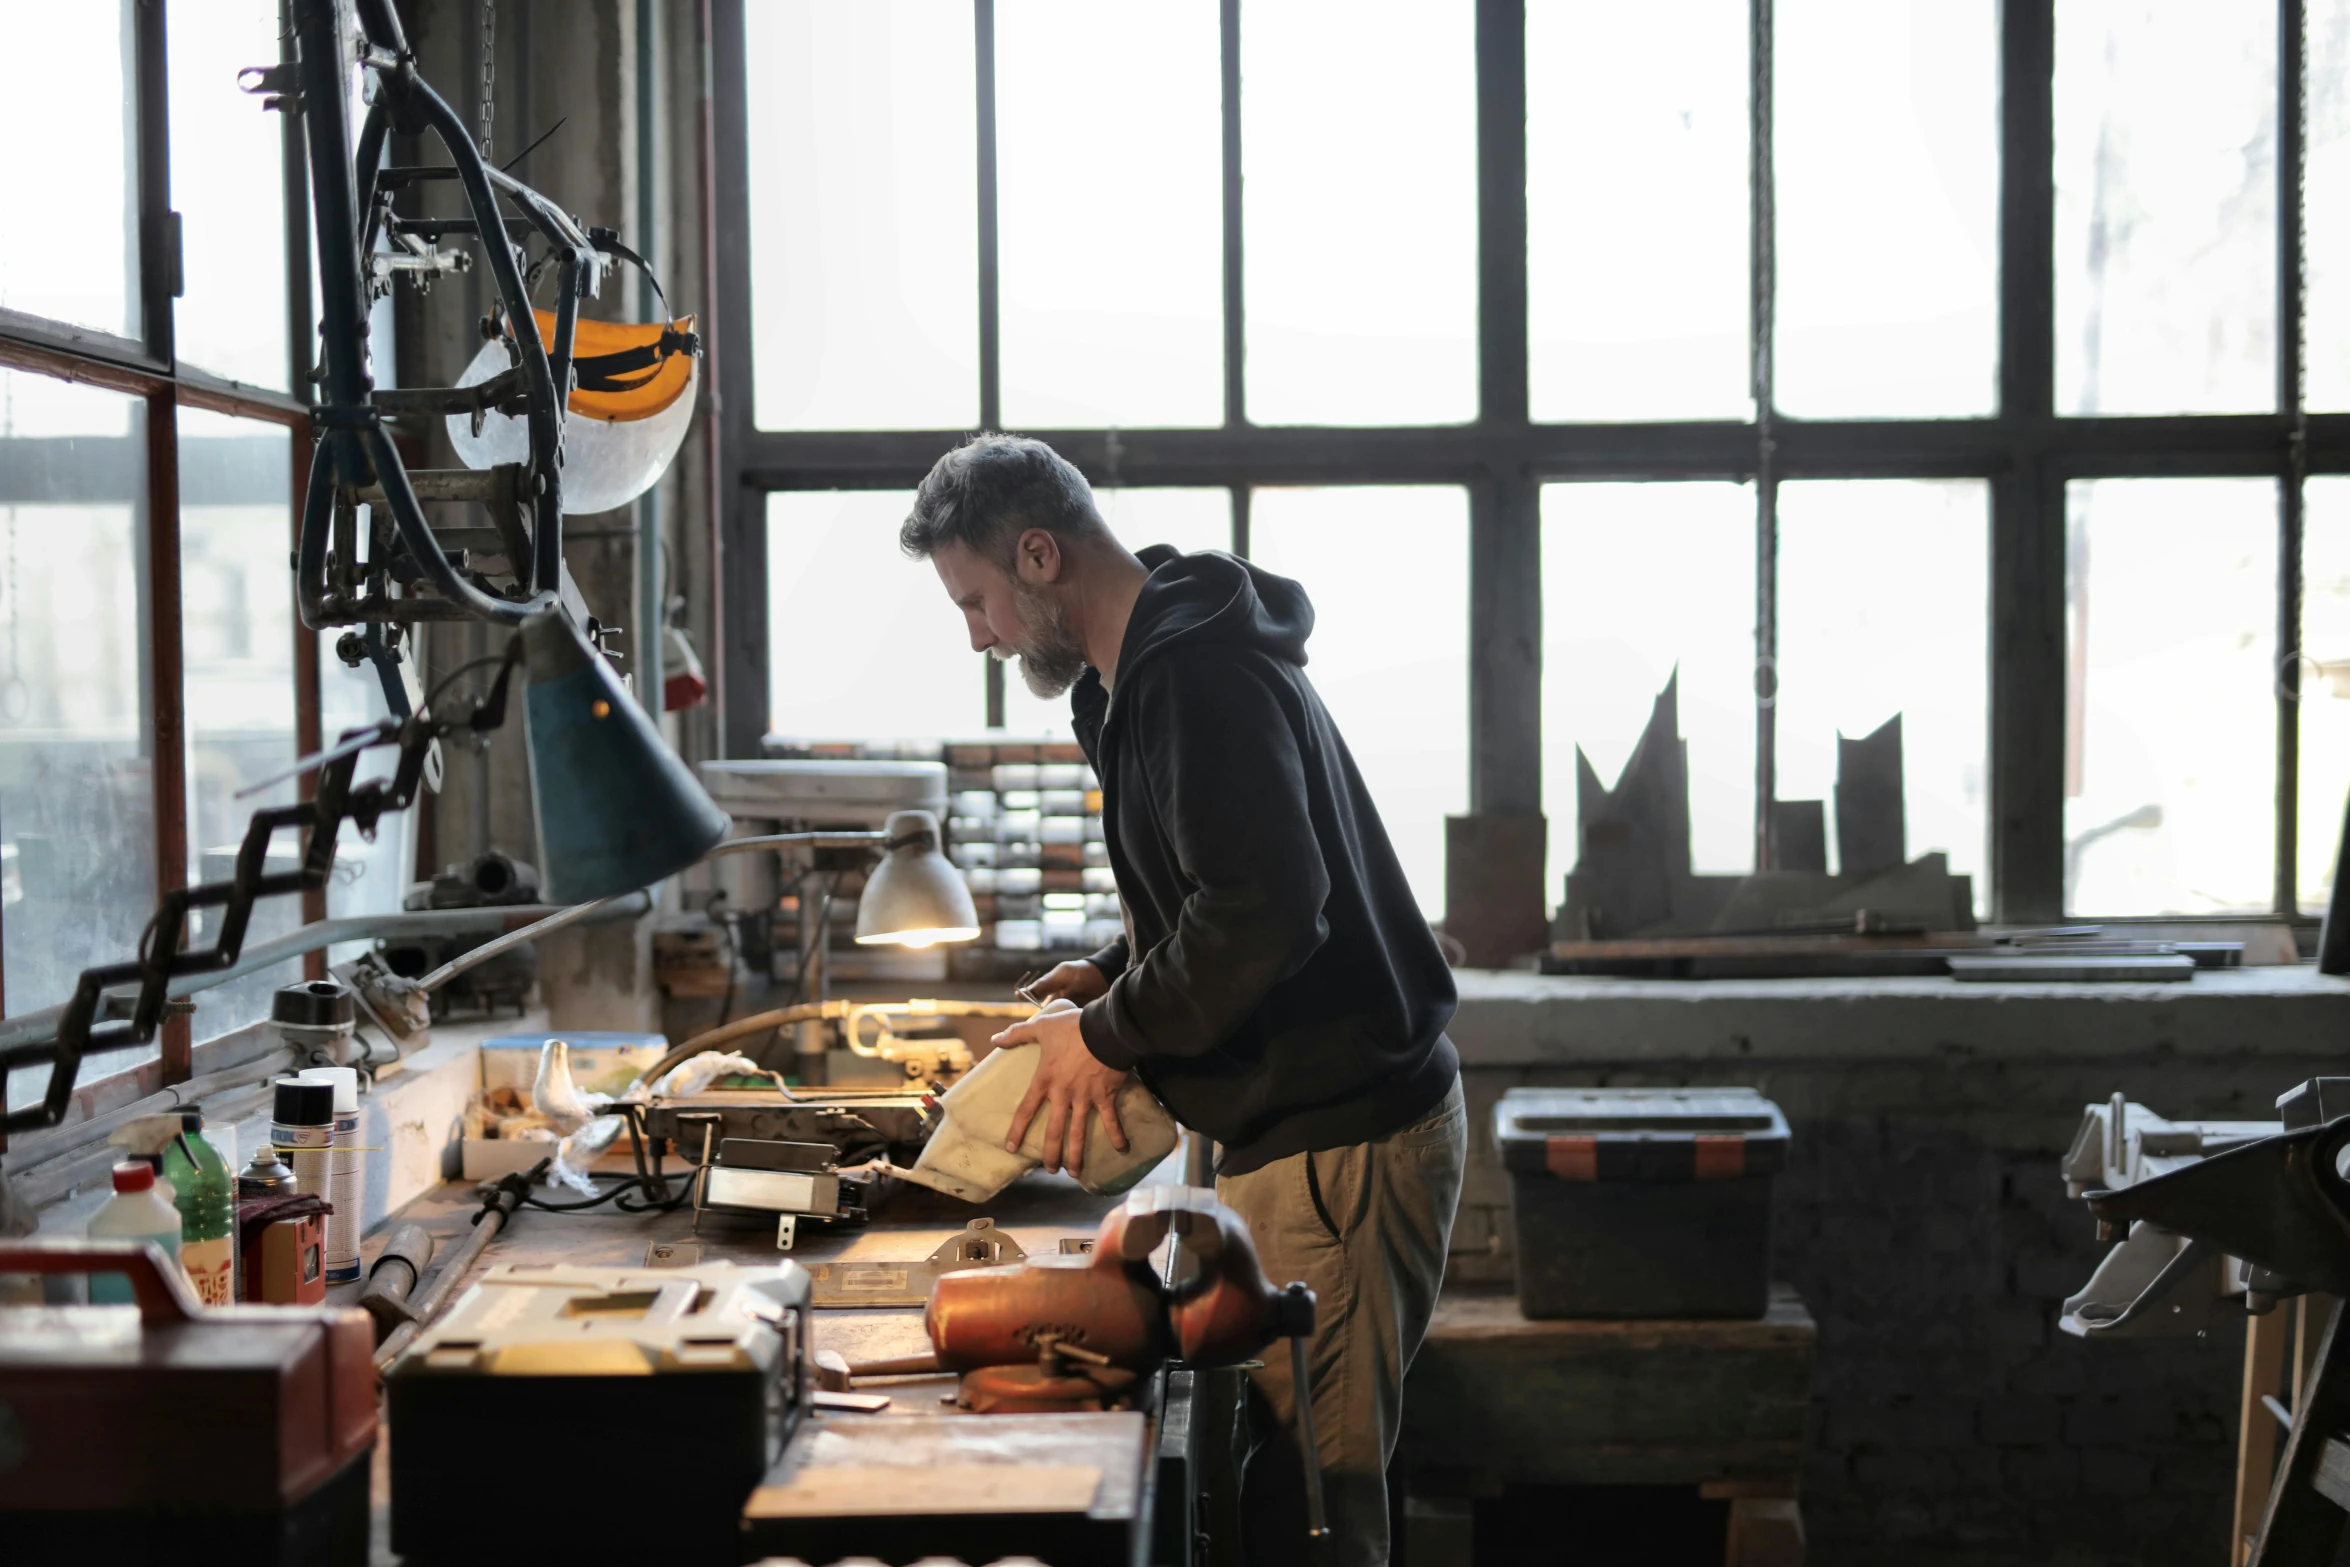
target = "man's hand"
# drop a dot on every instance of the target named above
(1069, 1082)
(1076, 981)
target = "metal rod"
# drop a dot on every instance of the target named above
(2292, 397)
(581, 911)
(1235, 279)
(426, 1306)
(1762, 227)
(991, 351)
(32, 1027)
(648, 652)
(1309, 1451)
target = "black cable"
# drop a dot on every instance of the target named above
(465, 668)
(627, 1184)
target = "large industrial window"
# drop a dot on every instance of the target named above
(1849, 358)
(150, 661)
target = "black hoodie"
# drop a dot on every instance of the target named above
(1288, 995)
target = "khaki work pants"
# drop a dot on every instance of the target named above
(1366, 1228)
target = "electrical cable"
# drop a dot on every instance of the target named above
(465, 668)
(627, 1184)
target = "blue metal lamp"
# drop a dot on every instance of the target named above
(616, 808)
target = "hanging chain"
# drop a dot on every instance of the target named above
(14, 687)
(1763, 275)
(2297, 443)
(489, 73)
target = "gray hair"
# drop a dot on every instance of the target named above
(985, 493)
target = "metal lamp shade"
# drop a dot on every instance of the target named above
(914, 898)
(616, 809)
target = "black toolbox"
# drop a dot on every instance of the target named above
(1641, 1202)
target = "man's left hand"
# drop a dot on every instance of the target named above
(1069, 1082)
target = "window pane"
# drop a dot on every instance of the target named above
(1188, 520)
(1884, 609)
(2325, 684)
(1359, 153)
(2327, 187)
(1636, 220)
(67, 112)
(864, 214)
(237, 630)
(1109, 188)
(1888, 307)
(1388, 572)
(228, 184)
(1640, 581)
(2170, 801)
(864, 643)
(77, 813)
(2166, 130)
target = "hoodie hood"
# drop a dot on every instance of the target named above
(1213, 597)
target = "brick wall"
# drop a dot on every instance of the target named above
(1924, 1223)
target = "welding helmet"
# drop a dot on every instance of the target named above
(631, 400)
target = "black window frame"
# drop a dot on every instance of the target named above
(2026, 451)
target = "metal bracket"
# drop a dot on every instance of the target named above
(908, 1282)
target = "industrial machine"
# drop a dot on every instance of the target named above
(2216, 1218)
(709, 1363)
(2157, 1282)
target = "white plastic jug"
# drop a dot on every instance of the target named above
(966, 1156)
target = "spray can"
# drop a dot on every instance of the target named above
(303, 1127)
(346, 1174)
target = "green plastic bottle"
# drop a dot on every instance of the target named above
(205, 1192)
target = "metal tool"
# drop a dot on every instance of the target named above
(1080, 1332)
(393, 1277)
(909, 1281)
(2155, 1283)
(1298, 1302)
(2263, 1209)
(499, 1199)
(790, 1181)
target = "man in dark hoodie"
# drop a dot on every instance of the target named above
(1277, 987)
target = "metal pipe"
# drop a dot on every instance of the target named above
(577, 912)
(497, 1207)
(33, 1027)
(1309, 1452)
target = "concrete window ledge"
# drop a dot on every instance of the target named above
(1509, 1019)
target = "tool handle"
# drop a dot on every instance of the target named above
(1298, 1319)
(162, 1291)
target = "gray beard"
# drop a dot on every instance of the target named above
(1051, 657)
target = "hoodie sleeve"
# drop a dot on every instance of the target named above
(1111, 960)
(1228, 782)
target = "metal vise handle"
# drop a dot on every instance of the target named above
(1297, 1321)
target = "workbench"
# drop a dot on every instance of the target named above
(1194, 1484)
(1496, 1400)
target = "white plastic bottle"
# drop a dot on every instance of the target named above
(136, 1212)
